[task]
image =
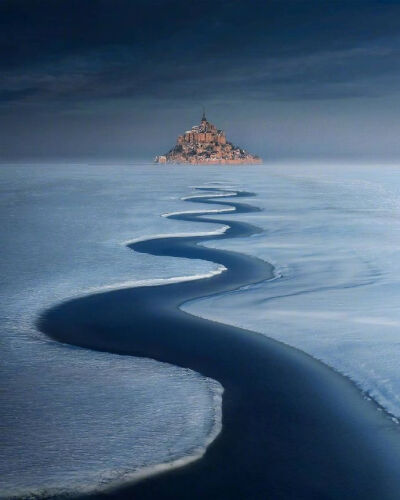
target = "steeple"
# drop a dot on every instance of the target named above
(204, 119)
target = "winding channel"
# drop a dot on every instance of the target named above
(292, 428)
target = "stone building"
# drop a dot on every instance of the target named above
(205, 144)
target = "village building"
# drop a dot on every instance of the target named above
(205, 144)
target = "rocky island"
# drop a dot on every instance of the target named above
(205, 144)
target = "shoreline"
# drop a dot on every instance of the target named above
(262, 380)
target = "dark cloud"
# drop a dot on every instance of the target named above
(85, 56)
(16, 95)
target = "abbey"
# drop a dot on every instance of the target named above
(205, 144)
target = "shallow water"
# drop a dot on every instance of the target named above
(272, 393)
(73, 419)
(332, 231)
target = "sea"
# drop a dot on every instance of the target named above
(74, 420)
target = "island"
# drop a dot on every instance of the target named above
(205, 144)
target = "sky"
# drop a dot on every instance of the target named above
(120, 79)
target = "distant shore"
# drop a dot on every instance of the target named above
(255, 161)
(292, 427)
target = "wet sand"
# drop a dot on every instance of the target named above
(292, 427)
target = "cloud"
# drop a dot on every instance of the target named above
(83, 62)
(116, 72)
(169, 49)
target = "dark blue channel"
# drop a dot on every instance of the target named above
(292, 427)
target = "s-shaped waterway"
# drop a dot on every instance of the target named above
(292, 428)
